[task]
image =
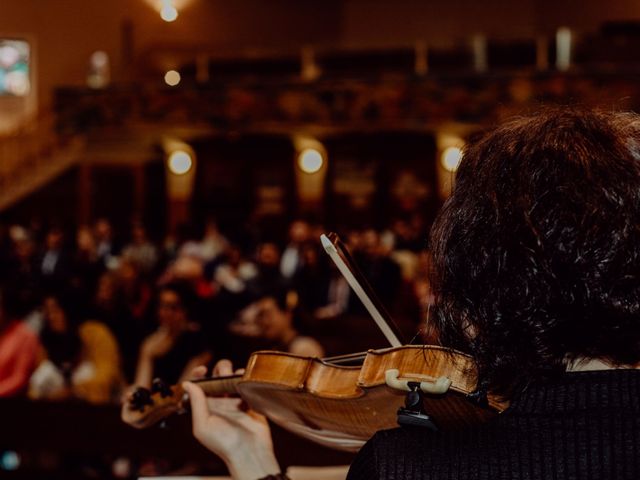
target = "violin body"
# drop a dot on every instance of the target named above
(343, 406)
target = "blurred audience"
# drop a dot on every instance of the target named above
(78, 359)
(131, 314)
(271, 319)
(106, 246)
(55, 263)
(177, 345)
(19, 345)
(110, 307)
(141, 252)
(291, 260)
(268, 275)
(234, 271)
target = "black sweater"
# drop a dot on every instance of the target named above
(585, 425)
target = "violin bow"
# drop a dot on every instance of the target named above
(359, 284)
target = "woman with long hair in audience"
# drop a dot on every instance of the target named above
(177, 345)
(79, 359)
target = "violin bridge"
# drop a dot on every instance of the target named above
(438, 387)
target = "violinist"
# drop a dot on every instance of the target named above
(536, 261)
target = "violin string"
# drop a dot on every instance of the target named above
(424, 328)
(345, 358)
(208, 379)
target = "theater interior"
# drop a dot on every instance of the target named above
(146, 144)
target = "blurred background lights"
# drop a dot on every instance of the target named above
(17, 82)
(172, 78)
(8, 55)
(99, 59)
(451, 158)
(98, 76)
(168, 12)
(9, 460)
(310, 160)
(180, 162)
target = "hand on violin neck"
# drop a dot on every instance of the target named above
(240, 437)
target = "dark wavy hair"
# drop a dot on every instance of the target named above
(537, 252)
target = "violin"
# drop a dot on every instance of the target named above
(340, 402)
(337, 405)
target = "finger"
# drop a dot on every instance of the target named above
(199, 372)
(199, 408)
(223, 368)
(240, 371)
(127, 395)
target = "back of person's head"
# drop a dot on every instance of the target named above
(537, 252)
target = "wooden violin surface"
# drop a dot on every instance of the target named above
(343, 406)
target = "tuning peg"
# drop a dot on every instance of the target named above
(161, 387)
(140, 398)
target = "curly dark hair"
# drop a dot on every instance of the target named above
(537, 251)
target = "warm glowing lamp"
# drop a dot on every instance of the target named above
(169, 13)
(310, 160)
(180, 162)
(451, 158)
(172, 78)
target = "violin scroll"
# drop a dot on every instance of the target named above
(144, 407)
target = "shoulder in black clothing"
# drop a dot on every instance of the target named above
(582, 426)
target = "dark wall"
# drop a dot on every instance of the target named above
(377, 177)
(56, 203)
(246, 179)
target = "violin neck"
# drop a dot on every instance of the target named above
(216, 387)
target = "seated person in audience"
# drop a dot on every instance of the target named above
(78, 359)
(86, 266)
(177, 345)
(134, 289)
(385, 276)
(234, 271)
(19, 346)
(536, 261)
(141, 251)
(213, 242)
(292, 260)
(23, 267)
(271, 320)
(268, 274)
(55, 263)
(111, 308)
(107, 247)
(323, 293)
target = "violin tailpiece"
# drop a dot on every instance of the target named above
(413, 413)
